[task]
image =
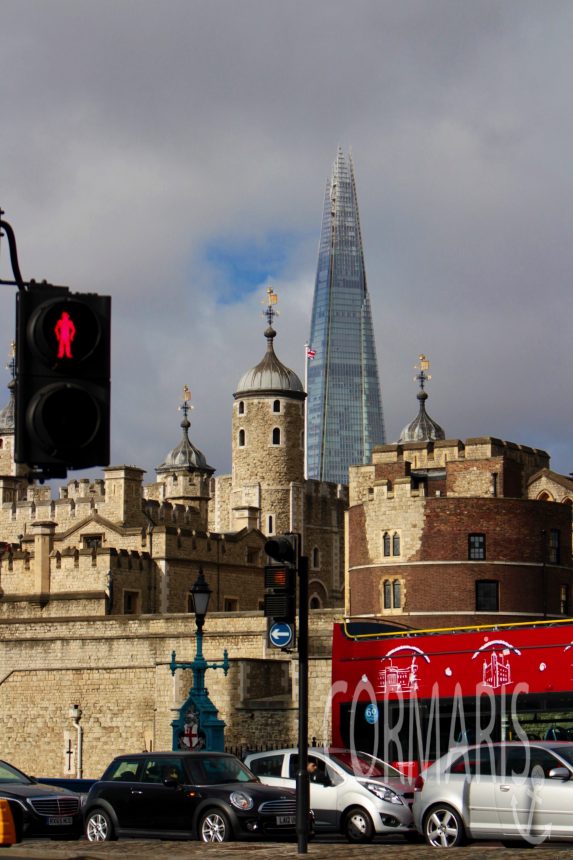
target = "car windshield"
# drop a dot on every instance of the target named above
(219, 770)
(363, 764)
(11, 774)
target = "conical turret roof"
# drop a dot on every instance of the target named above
(422, 428)
(270, 376)
(185, 456)
(8, 413)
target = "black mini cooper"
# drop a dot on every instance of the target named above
(181, 795)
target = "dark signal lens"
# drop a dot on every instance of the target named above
(64, 418)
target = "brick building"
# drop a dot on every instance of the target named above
(444, 533)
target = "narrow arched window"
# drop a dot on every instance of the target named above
(316, 557)
(270, 524)
(396, 594)
(396, 544)
(276, 406)
(386, 541)
(241, 438)
(276, 435)
(241, 407)
(387, 594)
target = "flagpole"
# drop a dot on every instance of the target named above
(306, 411)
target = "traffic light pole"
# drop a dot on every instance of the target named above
(280, 599)
(302, 778)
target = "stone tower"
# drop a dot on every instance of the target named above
(268, 443)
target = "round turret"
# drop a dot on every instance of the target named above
(268, 439)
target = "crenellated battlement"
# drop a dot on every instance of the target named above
(167, 513)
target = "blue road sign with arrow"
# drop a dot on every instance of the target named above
(281, 634)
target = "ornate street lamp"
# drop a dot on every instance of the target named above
(198, 722)
(200, 596)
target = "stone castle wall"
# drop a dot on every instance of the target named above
(117, 670)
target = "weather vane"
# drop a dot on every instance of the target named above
(270, 311)
(422, 366)
(186, 405)
(11, 366)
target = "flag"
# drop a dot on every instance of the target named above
(310, 352)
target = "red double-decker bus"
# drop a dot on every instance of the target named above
(407, 696)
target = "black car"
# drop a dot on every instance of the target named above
(180, 795)
(38, 809)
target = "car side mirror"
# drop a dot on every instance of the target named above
(560, 773)
(171, 783)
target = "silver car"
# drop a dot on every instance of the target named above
(512, 791)
(350, 792)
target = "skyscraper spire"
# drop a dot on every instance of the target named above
(344, 418)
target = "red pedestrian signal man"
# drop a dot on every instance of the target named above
(65, 332)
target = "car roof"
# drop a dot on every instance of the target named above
(327, 751)
(518, 743)
(178, 753)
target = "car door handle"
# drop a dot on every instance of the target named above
(135, 791)
(504, 787)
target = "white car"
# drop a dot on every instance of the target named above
(350, 792)
(516, 792)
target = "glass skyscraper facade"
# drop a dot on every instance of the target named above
(344, 408)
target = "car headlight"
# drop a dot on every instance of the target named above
(383, 792)
(241, 800)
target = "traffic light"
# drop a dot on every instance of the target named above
(281, 578)
(62, 379)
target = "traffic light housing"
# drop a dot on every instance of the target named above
(62, 379)
(281, 578)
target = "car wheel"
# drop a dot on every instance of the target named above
(214, 826)
(99, 827)
(443, 827)
(358, 825)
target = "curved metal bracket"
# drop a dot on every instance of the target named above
(10, 235)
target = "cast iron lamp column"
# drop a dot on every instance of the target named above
(198, 699)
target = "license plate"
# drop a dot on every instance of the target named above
(286, 819)
(60, 820)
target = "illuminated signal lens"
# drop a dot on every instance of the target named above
(277, 577)
(64, 332)
(280, 592)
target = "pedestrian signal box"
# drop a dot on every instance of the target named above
(62, 379)
(280, 593)
(281, 577)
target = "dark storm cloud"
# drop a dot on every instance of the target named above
(140, 136)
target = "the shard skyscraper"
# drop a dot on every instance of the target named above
(344, 408)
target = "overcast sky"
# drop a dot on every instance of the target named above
(174, 155)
